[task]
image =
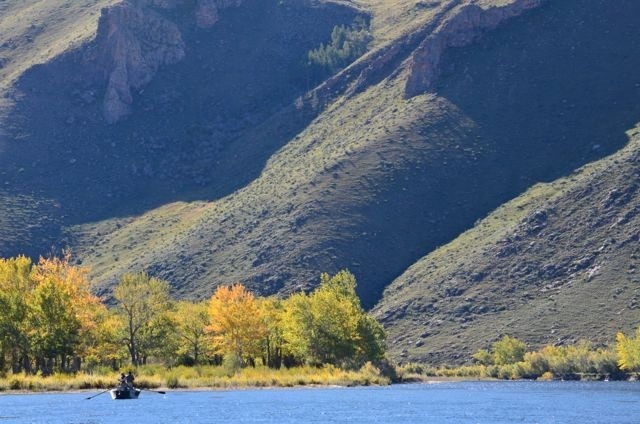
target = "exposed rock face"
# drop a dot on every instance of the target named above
(463, 25)
(133, 41)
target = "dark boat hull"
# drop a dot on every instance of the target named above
(124, 393)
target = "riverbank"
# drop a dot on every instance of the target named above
(203, 377)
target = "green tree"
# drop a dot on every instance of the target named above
(143, 303)
(329, 326)
(16, 286)
(347, 44)
(371, 346)
(483, 357)
(297, 326)
(271, 312)
(191, 320)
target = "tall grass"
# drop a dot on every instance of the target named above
(201, 377)
(56, 382)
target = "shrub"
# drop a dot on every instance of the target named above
(483, 357)
(538, 362)
(173, 382)
(232, 363)
(508, 350)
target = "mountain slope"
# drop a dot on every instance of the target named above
(554, 265)
(35, 32)
(382, 177)
(206, 152)
(141, 114)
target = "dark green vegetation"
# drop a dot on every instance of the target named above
(347, 44)
(233, 166)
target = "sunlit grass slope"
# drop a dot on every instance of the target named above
(33, 32)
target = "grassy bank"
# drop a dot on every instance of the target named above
(202, 377)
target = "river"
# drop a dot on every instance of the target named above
(449, 402)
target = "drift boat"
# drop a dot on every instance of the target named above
(124, 392)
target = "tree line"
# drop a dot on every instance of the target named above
(51, 322)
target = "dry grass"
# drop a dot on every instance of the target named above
(36, 32)
(152, 377)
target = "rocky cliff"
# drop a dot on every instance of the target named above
(133, 40)
(461, 26)
(416, 55)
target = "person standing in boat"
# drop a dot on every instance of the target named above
(122, 381)
(129, 379)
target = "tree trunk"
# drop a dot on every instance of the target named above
(15, 361)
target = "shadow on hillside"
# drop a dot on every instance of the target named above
(554, 89)
(549, 92)
(179, 141)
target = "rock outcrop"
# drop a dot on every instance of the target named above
(134, 40)
(461, 27)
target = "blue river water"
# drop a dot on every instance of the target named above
(455, 402)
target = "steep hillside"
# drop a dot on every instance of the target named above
(388, 172)
(142, 114)
(33, 32)
(191, 139)
(557, 264)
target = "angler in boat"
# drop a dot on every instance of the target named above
(125, 389)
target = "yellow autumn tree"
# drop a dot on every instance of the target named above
(628, 349)
(62, 313)
(236, 323)
(103, 343)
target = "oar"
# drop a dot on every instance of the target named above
(155, 391)
(91, 397)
